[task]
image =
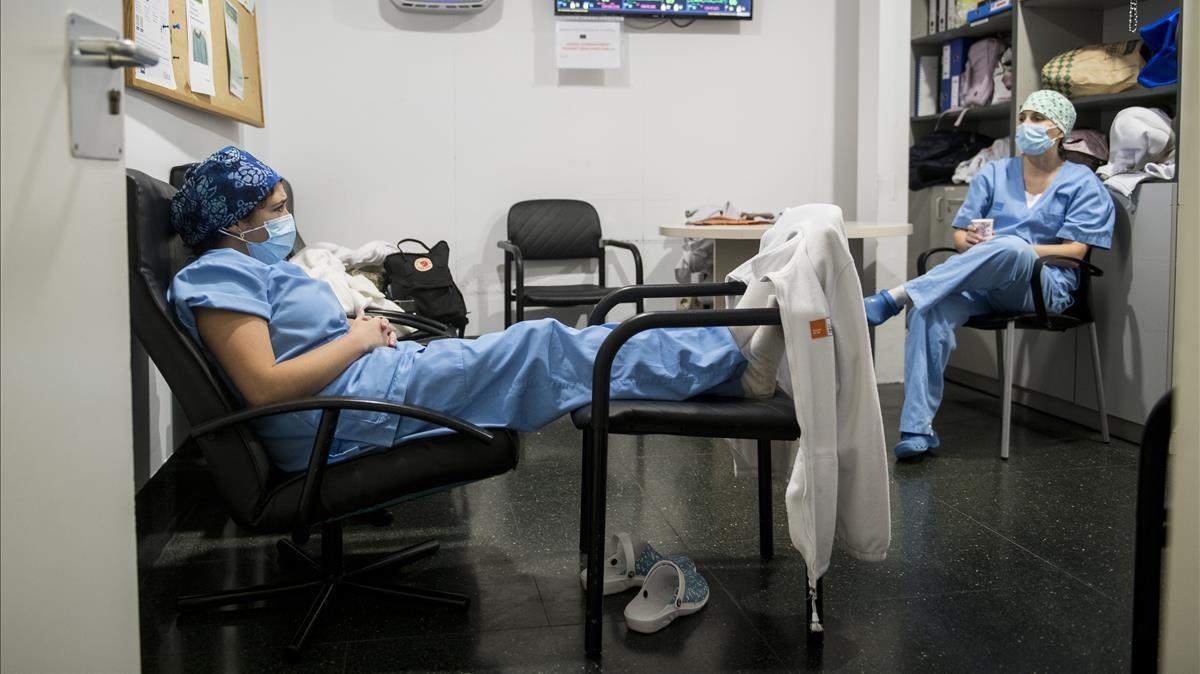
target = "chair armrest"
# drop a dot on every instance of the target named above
(513, 252)
(338, 404)
(695, 318)
(923, 259)
(641, 292)
(1035, 280)
(413, 321)
(331, 409)
(637, 256)
(511, 248)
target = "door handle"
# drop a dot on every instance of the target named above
(110, 53)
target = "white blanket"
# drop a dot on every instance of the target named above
(839, 476)
(368, 255)
(354, 292)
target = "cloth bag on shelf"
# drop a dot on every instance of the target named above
(1095, 69)
(1086, 146)
(982, 58)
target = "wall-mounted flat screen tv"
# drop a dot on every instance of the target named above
(675, 9)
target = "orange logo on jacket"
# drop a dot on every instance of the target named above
(822, 327)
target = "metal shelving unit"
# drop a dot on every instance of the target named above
(1134, 333)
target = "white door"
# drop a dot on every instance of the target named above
(69, 576)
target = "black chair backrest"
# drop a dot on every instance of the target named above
(176, 179)
(237, 460)
(555, 229)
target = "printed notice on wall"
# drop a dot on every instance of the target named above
(199, 39)
(152, 30)
(588, 44)
(234, 46)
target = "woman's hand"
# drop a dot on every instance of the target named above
(371, 332)
(965, 238)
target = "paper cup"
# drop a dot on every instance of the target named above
(983, 227)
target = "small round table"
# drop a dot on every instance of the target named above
(734, 244)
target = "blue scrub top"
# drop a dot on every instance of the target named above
(1075, 207)
(302, 313)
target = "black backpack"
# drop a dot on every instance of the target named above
(933, 158)
(425, 278)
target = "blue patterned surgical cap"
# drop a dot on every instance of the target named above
(218, 192)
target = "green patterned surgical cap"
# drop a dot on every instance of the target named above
(1054, 106)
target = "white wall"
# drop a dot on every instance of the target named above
(882, 195)
(68, 580)
(410, 125)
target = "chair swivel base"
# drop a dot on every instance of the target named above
(327, 577)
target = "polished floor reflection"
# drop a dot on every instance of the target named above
(1016, 566)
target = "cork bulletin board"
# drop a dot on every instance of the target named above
(248, 109)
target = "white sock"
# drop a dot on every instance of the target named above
(900, 296)
(763, 354)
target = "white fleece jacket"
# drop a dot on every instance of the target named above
(839, 478)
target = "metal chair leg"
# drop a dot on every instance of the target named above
(594, 613)
(1101, 405)
(585, 492)
(999, 360)
(766, 531)
(320, 603)
(1010, 341)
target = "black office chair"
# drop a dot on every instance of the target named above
(424, 329)
(762, 420)
(1005, 325)
(556, 229)
(262, 498)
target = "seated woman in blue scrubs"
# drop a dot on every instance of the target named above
(1041, 205)
(279, 335)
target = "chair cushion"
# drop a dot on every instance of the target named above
(378, 478)
(564, 296)
(704, 416)
(1058, 322)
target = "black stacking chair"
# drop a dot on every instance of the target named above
(762, 420)
(556, 229)
(1005, 325)
(262, 498)
(425, 329)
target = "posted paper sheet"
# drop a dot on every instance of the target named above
(152, 30)
(234, 47)
(588, 44)
(199, 39)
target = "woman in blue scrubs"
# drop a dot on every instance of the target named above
(1041, 205)
(278, 335)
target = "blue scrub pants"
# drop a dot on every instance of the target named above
(992, 276)
(535, 371)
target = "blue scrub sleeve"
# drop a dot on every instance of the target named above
(1090, 215)
(979, 197)
(221, 282)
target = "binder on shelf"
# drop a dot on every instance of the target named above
(989, 8)
(925, 97)
(931, 8)
(954, 53)
(941, 14)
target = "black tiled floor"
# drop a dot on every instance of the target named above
(1024, 565)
